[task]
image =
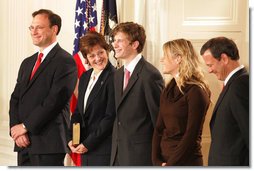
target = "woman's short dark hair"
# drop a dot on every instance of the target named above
(91, 39)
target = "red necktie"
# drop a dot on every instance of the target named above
(126, 78)
(37, 64)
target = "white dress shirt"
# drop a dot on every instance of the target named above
(232, 73)
(93, 79)
(131, 66)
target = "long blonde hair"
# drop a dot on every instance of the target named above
(189, 69)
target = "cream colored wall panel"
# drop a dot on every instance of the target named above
(238, 37)
(205, 146)
(206, 15)
(215, 14)
(14, 37)
(215, 88)
(7, 156)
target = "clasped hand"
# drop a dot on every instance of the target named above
(19, 135)
(80, 149)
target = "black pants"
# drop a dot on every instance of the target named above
(26, 159)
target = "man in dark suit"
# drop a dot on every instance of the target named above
(39, 104)
(229, 124)
(138, 86)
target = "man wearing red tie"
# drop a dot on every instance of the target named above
(229, 124)
(39, 104)
(138, 86)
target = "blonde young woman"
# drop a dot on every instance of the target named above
(183, 106)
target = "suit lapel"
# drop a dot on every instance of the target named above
(30, 67)
(98, 85)
(27, 72)
(82, 89)
(119, 74)
(134, 77)
(45, 62)
(42, 67)
(223, 93)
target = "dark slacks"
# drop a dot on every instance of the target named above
(27, 159)
(116, 161)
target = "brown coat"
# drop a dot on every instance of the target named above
(178, 131)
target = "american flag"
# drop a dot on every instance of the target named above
(108, 22)
(85, 19)
(108, 17)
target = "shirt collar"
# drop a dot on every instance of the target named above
(96, 75)
(232, 73)
(47, 50)
(131, 66)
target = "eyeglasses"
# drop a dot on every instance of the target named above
(32, 28)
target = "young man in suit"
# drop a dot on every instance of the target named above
(229, 124)
(39, 104)
(138, 86)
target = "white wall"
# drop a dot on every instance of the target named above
(196, 20)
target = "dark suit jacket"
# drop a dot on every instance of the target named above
(42, 103)
(137, 109)
(230, 124)
(98, 118)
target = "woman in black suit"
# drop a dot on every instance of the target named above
(95, 110)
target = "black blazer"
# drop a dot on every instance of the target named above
(230, 124)
(42, 103)
(137, 109)
(98, 117)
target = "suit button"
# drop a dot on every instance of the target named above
(119, 123)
